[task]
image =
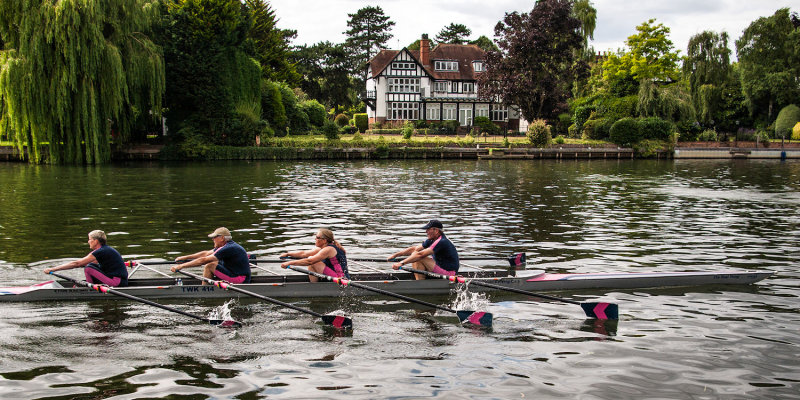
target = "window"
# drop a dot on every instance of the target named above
(404, 85)
(455, 87)
(468, 87)
(433, 112)
(477, 66)
(403, 65)
(499, 114)
(440, 86)
(482, 110)
(449, 111)
(445, 65)
(403, 111)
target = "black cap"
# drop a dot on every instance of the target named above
(434, 223)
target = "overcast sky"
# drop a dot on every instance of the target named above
(321, 20)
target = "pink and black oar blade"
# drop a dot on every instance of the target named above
(516, 260)
(338, 321)
(479, 318)
(225, 323)
(601, 310)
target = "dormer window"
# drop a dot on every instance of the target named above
(477, 66)
(445, 65)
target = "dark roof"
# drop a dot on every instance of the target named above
(465, 54)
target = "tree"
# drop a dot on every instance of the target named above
(209, 75)
(326, 73)
(272, 44)
(453, 34)
(650, 57)
(485, 43)
(73, 75)
(537, 61)
(707, 67)
(769, 59)
(368, 33)
(585, 12)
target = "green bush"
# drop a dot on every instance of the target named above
(362, 122)
(341, 120)
(796, 132)
(787, 119)
(573, 131)
(330, 130)
(564, 122)
(315, 111)
(655, 128)
(708, 135)
(559, 139)
(272, 109)
(582, 114)
(615, 108)
(539, 133)
(596, 129)
(408, 130)
(484, 124)
(625, 132)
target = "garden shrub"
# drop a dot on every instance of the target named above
(330, 130)
(655, 128)
(484, 124)
(582, 114)
(315, 111)
(596, 129)
(573, 131)
(349, 130)
(788, 117)
(539, 133)
(361, 122)
(708, 135)
(341, 120)
(615, 108)
(796, 132)
(625, 132)
(272, 109)
(564, 122)
(408, 130)
(559, 139)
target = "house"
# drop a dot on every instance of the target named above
(438, 84)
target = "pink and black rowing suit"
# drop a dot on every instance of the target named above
(109, 268)
(336, 266)
(444, 255)
(234, 265)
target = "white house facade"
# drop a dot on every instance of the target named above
(438, 84)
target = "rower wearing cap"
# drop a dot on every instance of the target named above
(436, 254)
(227, 260)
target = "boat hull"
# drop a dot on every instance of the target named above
(295, 286)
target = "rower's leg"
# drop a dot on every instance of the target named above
(208, 271)
(425, 264)
(318, 268)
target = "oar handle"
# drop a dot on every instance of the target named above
(106, 289)
(347, 282)
(228, 286)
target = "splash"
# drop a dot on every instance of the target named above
(222, 312)
(466, 300)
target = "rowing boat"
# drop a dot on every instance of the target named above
(399, 282)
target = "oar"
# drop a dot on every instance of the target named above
(337, 321)
(592, 310)
(106, 289)
(475, 317)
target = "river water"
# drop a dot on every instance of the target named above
(586, 216)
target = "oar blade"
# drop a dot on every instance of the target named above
(480, 318)
(225, 323)
(337, 321)
(601, 310)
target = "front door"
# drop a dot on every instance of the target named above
(465, 116)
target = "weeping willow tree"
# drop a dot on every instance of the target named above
(75, 73)
(671, 102)
(707, 68)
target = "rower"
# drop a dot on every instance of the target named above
(103, 264)
(227, 260)
(437, 254)
(328, 257)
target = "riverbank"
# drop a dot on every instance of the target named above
(454, 150)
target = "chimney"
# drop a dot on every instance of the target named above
(424, 50)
